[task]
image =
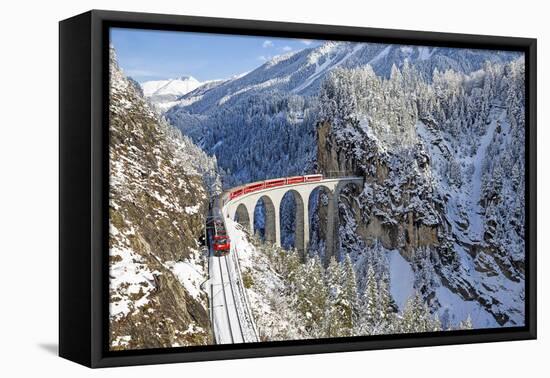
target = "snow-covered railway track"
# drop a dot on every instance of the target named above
(230, 313)
(233, 319)
(228, 318)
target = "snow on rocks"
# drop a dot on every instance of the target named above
(191, 273)
(130, 280)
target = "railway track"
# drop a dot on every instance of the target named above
(232, 319)
(228, 317)
(229, 308)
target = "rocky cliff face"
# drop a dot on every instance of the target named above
(157, 203)
(379, 214)
(433, 156)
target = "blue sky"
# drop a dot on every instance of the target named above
(153, 55)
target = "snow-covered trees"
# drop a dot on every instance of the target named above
(335, 315)
(312, 296)
(443, 158)
(385, 309)
(342, 308)
(378, 312)
(416, 317)
(351, 300)
(466, 324)
(369, 299)
(327, 302)
(258, 137)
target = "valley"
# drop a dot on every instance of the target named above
(432, 239)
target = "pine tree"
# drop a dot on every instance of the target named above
(334, 320)
(292, 266)
(414, 316)
(369, 304)
(436, 324)
(312, 296)
(466, 324)
(349, 285)
(385, 305)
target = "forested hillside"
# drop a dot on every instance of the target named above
(438, 135)
(444, 166)
(272, 111)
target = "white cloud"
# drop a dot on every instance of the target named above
(267, 43)
(286, 48)
(306, 41)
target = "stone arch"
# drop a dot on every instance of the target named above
(299, 219)
(270, 233)
(242, 217)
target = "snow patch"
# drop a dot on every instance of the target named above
(130, 280)
(401, 278)
(454, 309)
(192, 209)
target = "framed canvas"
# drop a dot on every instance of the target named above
(236, 188)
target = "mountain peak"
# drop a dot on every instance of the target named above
(170, 87)
(186, 78)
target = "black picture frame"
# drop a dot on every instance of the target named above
(83, 182)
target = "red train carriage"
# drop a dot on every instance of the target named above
(236, 193)
(295, 180)
(254, 187)
(221, 243)
(313, 178)
(273, 184)
(220, 240)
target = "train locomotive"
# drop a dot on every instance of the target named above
(221, 243)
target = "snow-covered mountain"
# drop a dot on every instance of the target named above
(437, 132)
(157, 215)
(164, 93)
(178, 86)
(276, 102)
(442, 208)
(302, 72)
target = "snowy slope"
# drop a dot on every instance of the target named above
(444, 169)
(302, 72)
(157, 199)
(277, 103)
(275, 318)
(163, 94)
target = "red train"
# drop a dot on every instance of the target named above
(255, 186)
(221, 243)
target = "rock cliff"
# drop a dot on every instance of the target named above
(157, 204)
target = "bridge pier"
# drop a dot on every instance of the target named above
(251, 219)
(306, 226)
(276, 226)
(331, 231)
(245, 219)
